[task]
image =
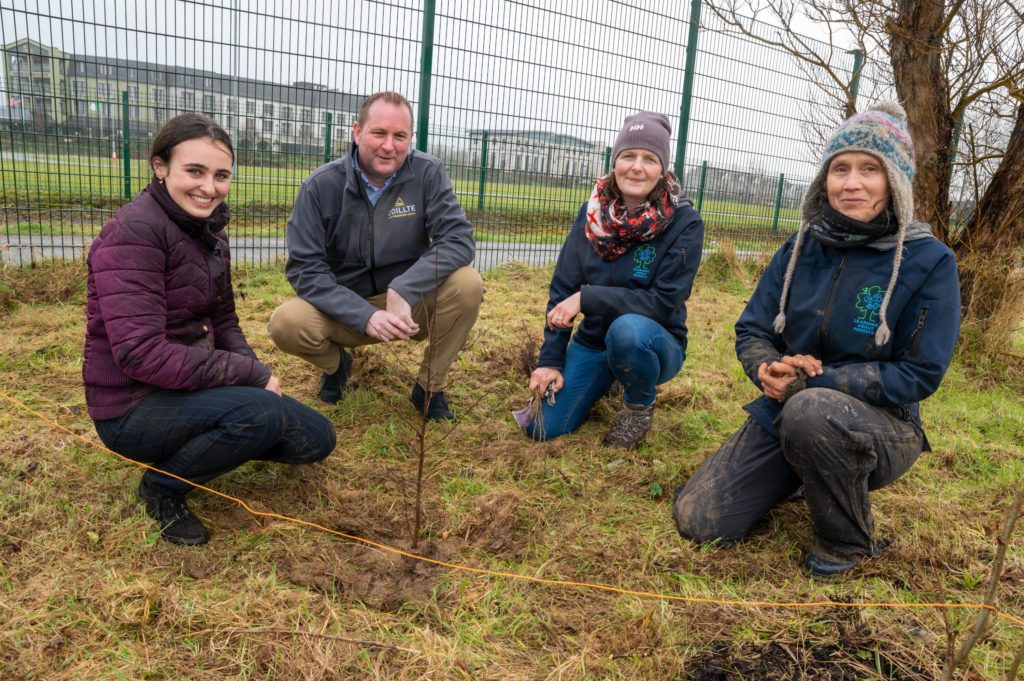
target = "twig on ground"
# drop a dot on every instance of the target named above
(309, 634)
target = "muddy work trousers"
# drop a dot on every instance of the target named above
(836, 446)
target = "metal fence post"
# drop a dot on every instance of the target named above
(607, 160)
(858, 63)
(328, 117)
(125, 148)
(426, 73)
(700, 189)
(684, 107)
(778, 202)
(483, 172)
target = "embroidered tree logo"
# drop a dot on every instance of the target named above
(869, 300)
(644, 256)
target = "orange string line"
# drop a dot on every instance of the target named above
(512, 575)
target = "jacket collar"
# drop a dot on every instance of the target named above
(353, 182)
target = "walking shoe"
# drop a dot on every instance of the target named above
(332, 386)
(821, 565)
(437, 410)
(827, 567)
(631, 425)
(178, 524)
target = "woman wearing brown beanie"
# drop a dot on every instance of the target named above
(627, 267)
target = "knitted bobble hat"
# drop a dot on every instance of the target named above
(646, 130)
(881, 131)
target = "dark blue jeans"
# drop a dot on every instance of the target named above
(639, 352)
(199, 435)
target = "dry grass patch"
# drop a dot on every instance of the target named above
(89, 591)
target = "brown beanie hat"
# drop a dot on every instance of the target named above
(646, 130)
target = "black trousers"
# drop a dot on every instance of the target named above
(836, 446)
(202, 434)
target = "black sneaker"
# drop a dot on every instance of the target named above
(332, 386)
(178, 524)
(437, 410)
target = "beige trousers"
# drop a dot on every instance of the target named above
(445, 320)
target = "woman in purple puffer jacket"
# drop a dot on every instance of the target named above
(169, 378)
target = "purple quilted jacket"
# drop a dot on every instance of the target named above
(160, 312)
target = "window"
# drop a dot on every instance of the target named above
(232, 105)
(133, 112)
(209, 104)
(158, 95)
(81, 88)
(103, 90)
(133, 74)
(268, 109)
(250, 108)
(188, 101)
(230, 122)
(133, 93)
(208, 83)
(268, 126)
(286, 113)
(285, 128)
(103, 70)
(307, 115)
(158, 117)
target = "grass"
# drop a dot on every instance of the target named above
(76, 194)
(89, 591)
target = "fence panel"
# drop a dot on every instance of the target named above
(526, 99)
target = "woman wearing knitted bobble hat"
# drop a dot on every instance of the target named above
(852, 324)
(627, 266)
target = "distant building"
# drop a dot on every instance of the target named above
(79, 93)
(537, 152)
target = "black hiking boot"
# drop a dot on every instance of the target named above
(437, 410)
(332, 386)
(178, 524)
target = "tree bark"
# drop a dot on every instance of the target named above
(988, 248)
(917, 31)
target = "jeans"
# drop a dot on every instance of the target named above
(639, 353)
(838, 447)
(200, 435)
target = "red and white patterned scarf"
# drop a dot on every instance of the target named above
(612, 229)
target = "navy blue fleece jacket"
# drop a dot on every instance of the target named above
(832, 314)
(653, 278)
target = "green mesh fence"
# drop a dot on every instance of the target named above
(525, 99)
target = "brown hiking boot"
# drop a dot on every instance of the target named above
(632, 423)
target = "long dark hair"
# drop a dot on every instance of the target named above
(187, 126)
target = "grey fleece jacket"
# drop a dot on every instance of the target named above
(342, 250)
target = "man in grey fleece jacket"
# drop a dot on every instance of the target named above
(379, 250)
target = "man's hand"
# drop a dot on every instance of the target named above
(542, 377)
(561, 315)
(274, 385)
(395, 322)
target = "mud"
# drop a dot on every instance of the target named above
(792, 661)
